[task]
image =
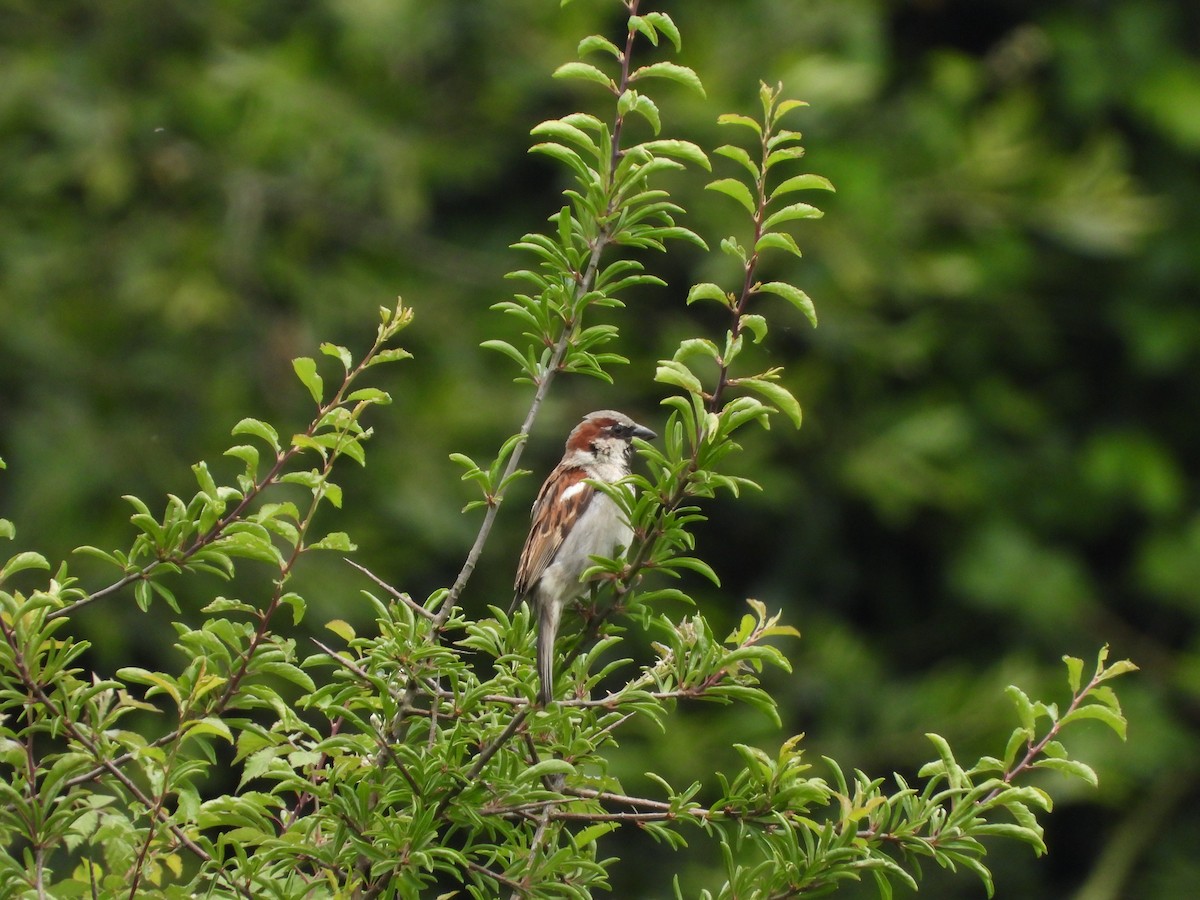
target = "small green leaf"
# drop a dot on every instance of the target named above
(779, 396)
(508, 350)
(306, 370)
(342, 629)
(258, 429)
(697, 346)
(369, 395)
(632, 101)
(777, 240)
(785, 107)
(802, 183)
(1025, 712)
(735, 119)
(695, 565)
(593, 833)
(707, 291)
(1070, 767)
(664, 24)
(1016, 832)
(559, 130)
(596, 42)
(548, 767)
(738, 155)
(793, 295)
(755, 324)
(791, 213)
(775, 157)
(26, 560)
(340, 353)
(297, 604)
(681, 74)
(208, 725)
(1074, 672)
(335, 540)
(644, 28)
(677, 149)
(1105, 714)
(671, 372)
(584, 72)
(1121, 667)
(731, 187)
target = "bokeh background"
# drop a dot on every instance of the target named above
(1002, 422)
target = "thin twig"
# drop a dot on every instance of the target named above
(397, 594)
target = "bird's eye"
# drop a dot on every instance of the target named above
(621, 430)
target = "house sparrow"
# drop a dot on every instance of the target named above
(573, 521)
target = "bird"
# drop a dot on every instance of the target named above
(572, 521)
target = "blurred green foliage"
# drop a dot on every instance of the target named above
(999, 458)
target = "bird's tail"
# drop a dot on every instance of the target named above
(548, 616)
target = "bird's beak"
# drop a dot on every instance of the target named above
(641, 431)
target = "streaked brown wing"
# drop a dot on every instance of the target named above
(567, 491)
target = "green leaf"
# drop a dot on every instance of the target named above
(744, 121)
(306, 370)
(26, 560)
(1070, 767)
(1074, 672)
(1121, 667)
(802, 183)
(680, 74)
(671, 372)
(779, 396)
(950, 767)
(708, 291)
(593, 833)
(785, 107)
(738, 155)
(644, 28)
(560, 131)
(697, 347)
(731, 187)
(548, 767)
(664, 24)
(510, 351)
(793, 295)
(777, 240)
(369, 395)
(258, 429)
(1016, 832)
(573, 161)
(787, 154)
(208, 725)
(632, 101)
(695, 565)
(584, 72)
(247, 453)
(791, 213)
(298, 605)
(1101, 712)
(1025, 712)
(755, 324)
(596, 42)
(342, 629)
(248, 546)
(335, 540)
(677, 149)
(339, 353)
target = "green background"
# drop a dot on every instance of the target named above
(1002, 424)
